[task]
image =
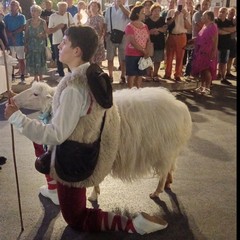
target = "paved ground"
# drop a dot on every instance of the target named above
(201, 204)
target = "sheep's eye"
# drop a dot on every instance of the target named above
(35, 94)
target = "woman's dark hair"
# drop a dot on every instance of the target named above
(210, 15)
(134, 14)
(84, 37)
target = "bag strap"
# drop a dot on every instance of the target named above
(111, 18)
(68, 19)
(102, 125)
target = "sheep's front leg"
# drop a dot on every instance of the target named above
(94, 195)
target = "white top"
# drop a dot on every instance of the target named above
(63, 122)
(56, 19)
(119, 19)
(179, 21)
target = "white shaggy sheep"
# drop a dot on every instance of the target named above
(155, 127)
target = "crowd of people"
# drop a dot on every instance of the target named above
(171, 30)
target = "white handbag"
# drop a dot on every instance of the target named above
(144, 63)
(48, 52)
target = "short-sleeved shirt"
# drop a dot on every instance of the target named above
(56, 19)
(224, 41)
(46, 13)
(141, 36)
(73, 10)
(119, 19)
(157, 40)
(13, 23)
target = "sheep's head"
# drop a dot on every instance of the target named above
(9, 59)
(38, 97)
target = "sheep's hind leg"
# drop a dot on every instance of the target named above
(160, 187)
(169, 180)
(94, 195)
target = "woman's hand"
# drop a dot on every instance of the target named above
(10, 109)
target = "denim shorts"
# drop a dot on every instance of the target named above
(223, 56)
(132, 66)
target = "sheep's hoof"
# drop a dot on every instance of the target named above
(154, 195)
(92, 199)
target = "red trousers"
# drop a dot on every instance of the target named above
(73, 207)
(175, 47)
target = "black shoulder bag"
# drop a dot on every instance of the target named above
(116, 35)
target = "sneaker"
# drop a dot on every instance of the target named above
(178, 79)
(144, 223)
(51, 194)
(230, 76)
(167, 77)
(226, 82)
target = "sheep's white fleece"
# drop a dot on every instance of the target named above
(155, 126)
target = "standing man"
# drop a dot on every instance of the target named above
(180, 20)
(46, 13)
(233, 48)
(225, 29)
(58, 23)
(119, 18)
(15, 24)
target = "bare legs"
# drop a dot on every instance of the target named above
(134, 81)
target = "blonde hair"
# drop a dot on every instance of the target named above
(61, 4)
(36, 7)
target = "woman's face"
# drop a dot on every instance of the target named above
(35, 13)
(141, 15)
(156, 12)
(94, 8)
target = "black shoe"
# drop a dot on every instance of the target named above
(226, 82)
(230, 76)
(22, 78)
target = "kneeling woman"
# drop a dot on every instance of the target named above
(137, 35)
(77, 116)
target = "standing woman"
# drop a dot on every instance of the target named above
(137, 35)
(96, 21)
(35, 41)
(157, 28)
(204, 62)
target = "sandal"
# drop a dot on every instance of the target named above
(123, 80)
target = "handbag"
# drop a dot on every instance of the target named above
(144, 63)
(48, 52)
(116, 36)
(76, 161)
(42, 163)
